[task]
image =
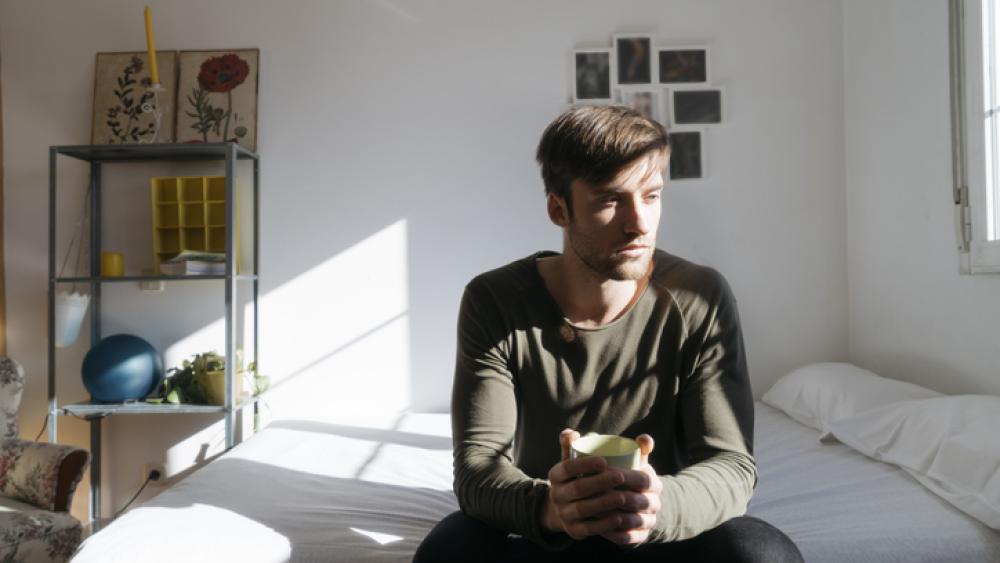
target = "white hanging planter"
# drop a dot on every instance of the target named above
(70, 310)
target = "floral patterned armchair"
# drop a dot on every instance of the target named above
(37, 481)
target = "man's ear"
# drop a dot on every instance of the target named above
(558, 211)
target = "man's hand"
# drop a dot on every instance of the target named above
(586, 498)
(582, 499)
(638, 515)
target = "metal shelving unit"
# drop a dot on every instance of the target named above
(97, 156)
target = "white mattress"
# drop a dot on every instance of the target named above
(310, 491)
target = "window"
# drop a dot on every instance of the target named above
(975, 96)
(991, 107)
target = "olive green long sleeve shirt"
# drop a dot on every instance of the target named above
(672, 366)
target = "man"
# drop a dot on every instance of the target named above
(610, 336)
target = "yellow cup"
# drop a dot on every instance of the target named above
(112, 264)
(618, 451)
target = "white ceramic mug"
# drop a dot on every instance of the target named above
(618, 451)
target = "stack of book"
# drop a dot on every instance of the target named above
(194, 262)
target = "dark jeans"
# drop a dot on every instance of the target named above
(461, 538)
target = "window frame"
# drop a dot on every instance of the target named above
(970, 123)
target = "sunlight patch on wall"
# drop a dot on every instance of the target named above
(335, 340)
(366, 382)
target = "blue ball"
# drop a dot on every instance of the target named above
(121, 367)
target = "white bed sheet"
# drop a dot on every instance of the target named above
(311, 491)
(842, 507)
(299, 491)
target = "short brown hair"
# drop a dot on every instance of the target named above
(593, 144)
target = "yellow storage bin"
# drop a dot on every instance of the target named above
(189, 213)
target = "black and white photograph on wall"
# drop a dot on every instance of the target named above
(686, 158)
(683, 65)
(645, 101)
(697, 106)
(634, 58)
(592, 75)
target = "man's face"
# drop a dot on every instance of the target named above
(613, 226)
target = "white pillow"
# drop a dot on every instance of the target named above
(818, 394)
(949, 444)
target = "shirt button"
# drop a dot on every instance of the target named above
(567, 333)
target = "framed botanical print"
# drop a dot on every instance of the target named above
(126, 110)
(217, 97)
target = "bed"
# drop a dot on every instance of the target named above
(310, 491)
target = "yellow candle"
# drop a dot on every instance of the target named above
(154, 74)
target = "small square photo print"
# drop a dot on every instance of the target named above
(683, 65)
(697, 106)
(634, 59)
(592, 75)
(686, 161)
(646, 102)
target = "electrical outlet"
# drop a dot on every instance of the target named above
(153, 286)
(155, 472)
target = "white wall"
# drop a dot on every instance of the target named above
(397, 140)
(912, 316)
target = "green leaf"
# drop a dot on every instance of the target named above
(261, 383)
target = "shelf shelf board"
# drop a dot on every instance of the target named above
(189, 277)
(90, 409)
(158, 151)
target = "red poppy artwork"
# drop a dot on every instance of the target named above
(222, 74)
(217, 94)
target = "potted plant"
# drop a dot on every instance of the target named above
(201, 380)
